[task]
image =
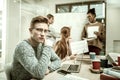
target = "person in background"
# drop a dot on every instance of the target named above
(31, 56)
(50, 18)
(52, 34)
(95, 44)
(62, 47)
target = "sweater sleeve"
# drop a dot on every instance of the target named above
(27, 59)
(55, 61)
(102, 33)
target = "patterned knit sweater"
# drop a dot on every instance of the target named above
(27, 64)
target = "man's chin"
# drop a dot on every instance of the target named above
(41, 41)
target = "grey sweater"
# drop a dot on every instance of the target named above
(28, 64)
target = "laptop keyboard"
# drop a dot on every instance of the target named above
(73, 68)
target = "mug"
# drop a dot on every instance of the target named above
(104, 63)
(96, 64)
(92, 55)
(118, 60)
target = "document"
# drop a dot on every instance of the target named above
(79, 47)
(91, 30)
(72, 77)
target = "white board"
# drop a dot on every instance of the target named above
(74, 20)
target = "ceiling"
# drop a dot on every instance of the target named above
(114, 3)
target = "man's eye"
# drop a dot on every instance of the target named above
(45, 31)
(39, 30)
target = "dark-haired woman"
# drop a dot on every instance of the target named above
(95, 43)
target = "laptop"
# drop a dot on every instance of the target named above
(113, 59)
(77, 47)
(71, 68)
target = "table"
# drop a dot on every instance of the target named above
(84, 71)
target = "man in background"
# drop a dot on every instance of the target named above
(52, 35)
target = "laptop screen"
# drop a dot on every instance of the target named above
(73, 68)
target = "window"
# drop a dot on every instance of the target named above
(79, 8)
(83, 7)
(63, 9)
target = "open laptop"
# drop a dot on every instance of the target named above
(113, 59)
(78, 47)
(72, 68)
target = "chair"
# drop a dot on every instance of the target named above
(8, 68)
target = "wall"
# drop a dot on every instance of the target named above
(113, 27)
(12, 28)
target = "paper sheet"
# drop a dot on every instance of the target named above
(91, 30)
(72, 77)
(79, 47)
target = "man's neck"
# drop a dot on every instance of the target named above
(33, 42)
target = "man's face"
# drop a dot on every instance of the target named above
(39, 32)
(51, 20)
(91, 17)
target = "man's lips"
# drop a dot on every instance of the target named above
(41, 38)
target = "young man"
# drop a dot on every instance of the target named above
(32, 58)
(52, 35)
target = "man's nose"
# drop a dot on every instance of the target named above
(42, 33)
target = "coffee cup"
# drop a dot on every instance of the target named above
(103, 62)
(96, 64)
(118, 60)
(92, 55)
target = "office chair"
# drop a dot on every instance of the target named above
(8, 68)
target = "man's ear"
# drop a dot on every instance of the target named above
(30, 30)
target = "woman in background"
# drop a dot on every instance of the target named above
(96, 43)
(62, 47)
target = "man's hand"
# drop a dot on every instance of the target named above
(47, 72)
